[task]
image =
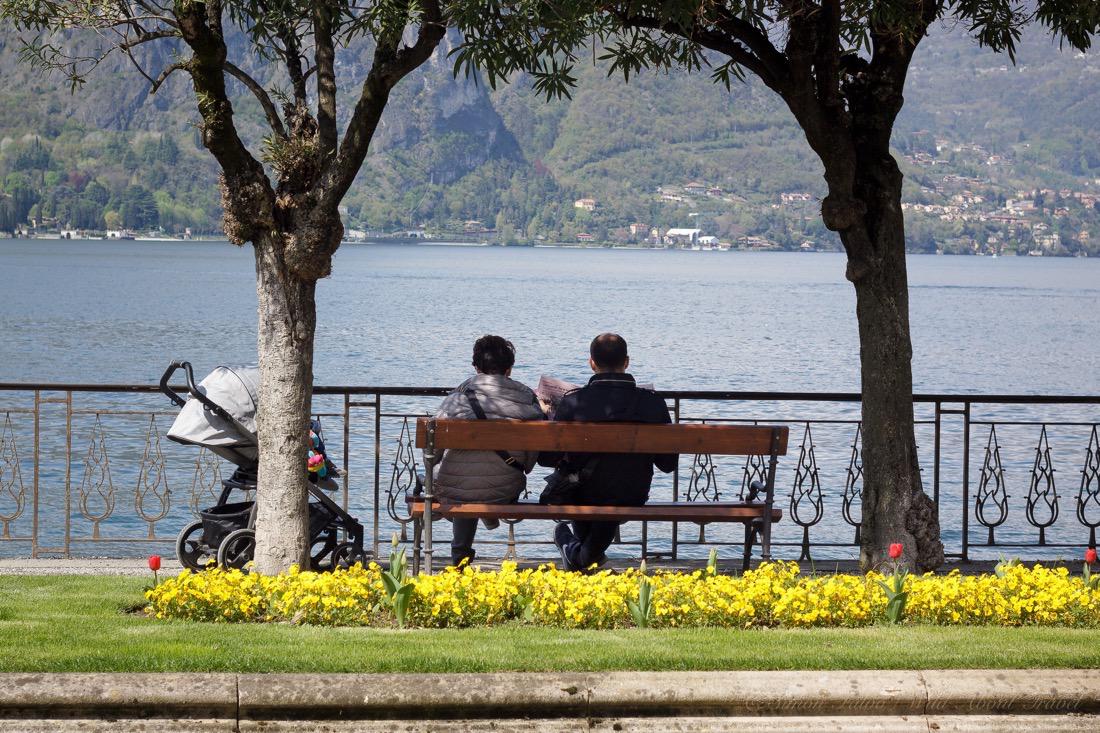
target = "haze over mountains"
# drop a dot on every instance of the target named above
(452, 152)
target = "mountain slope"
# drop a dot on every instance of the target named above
(452, 150)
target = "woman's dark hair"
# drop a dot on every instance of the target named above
(493, 355)
(608, 350)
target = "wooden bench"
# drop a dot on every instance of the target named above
(435, 435)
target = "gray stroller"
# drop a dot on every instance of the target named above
(221, 416)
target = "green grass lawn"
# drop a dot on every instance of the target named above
(80, 624)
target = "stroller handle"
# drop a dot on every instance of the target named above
(179, 401)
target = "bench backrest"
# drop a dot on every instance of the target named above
(582, 437)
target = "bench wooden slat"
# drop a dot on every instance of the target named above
(539, 435)
(654, 511)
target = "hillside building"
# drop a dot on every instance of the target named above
(682, 236)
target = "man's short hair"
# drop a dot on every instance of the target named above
(493, 355)
(608, 351)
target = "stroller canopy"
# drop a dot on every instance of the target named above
(236, 390)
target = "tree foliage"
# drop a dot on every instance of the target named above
(283, 198)
(303, 149)
(764, 37)
(840, 67)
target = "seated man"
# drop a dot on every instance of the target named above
(490, 477)
(610, 479)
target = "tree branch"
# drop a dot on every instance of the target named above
(293, 58)
(147, 36)
(755, 40)
(261, 95)
(247, 197)
(431, 32)
(715, 40)
(827, 56)
(391, 63)
(168, 71)
(325, 60)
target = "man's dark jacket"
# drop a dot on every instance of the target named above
(620, 479)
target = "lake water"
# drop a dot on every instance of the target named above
(118, 312)
(392, 315)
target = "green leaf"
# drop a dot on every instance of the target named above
(401, 603)
(392, 585)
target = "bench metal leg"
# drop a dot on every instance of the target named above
(429, 494)
(510, 553)
(418, 531)
(766, 528)
(750, 535)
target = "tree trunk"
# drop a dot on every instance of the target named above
(895, 507)
(287, 321)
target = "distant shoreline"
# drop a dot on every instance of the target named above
(540, 245)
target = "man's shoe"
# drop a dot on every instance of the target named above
(458, 558)
(490, 523)
(564, 537)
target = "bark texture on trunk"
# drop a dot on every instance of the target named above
(895, 507)
(287, 321)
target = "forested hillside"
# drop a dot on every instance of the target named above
(665, 150)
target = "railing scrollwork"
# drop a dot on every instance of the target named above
(402, 478)
(851, 506)
(152, 497)
(62, 447)
(991, 501)
(12, 491)
(806, 492)
(1088, 498)
(1042, 493)
(97, 489)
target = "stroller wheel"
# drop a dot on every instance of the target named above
(237, 549)
(190, 550)
(320, 548)
(347, 554)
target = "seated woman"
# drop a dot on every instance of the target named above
(491, 477)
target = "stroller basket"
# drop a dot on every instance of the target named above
(218, 521)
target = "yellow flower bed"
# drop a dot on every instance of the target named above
(775, 594)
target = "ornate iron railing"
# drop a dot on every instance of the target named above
(85, 470)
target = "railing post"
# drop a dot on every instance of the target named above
(68, 468)
(936, 463)
(676, 483)
(377, 465)
(37, 453)
(347, 445)
(966, 483)
(429, 496)
(773, 459)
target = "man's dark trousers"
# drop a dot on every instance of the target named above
(593, 539)
(615, 479)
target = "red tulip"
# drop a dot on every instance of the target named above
(1090, 555)
(895, 551)
(154, 563)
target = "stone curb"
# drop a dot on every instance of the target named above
(102, 695)
(500, 696)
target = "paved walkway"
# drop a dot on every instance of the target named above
(889, 700)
